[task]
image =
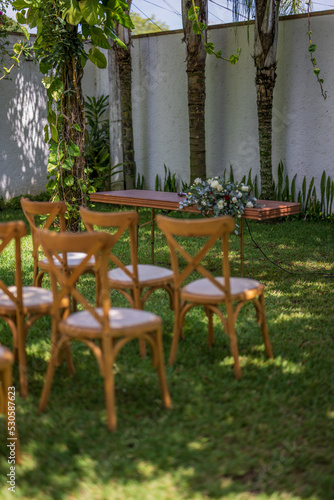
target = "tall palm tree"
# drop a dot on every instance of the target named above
(196, 56)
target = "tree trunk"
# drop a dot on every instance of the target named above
(123, 57)
(72, 109)
(265, 48)
(196, 56)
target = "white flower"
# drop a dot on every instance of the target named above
(198, 181)
(203, 203)
(221, 204)
(249, 204)
(239, 195)
(244, 188)
(234, 199)
(219, 187)
(214, 184)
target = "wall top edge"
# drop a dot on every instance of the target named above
(240, 23)
(217, 26)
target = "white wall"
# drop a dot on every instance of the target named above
(303, 122)
(23, 153)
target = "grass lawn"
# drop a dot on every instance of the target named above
(268, 436)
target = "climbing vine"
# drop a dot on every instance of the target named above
(63, 28)
(199, 27)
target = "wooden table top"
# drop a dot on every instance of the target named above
(170, 201)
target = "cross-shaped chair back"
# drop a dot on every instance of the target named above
(96, 246)
(10, 231)
(121, 221)
(213, 229)
(55, 214)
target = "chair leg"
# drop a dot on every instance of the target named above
(12, 436)
(161, 371)
(233, 340)
(136, 294)
(176, 336)
(109, 384)
(264, 328)
(49, 378)
(22, 356)
(210, 326)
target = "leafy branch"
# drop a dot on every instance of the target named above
(199, 27)
(312, 48)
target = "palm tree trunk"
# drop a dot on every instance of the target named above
(125, 69)
(265, 49)
(196, 57)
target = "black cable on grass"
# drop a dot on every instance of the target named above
(325, 275)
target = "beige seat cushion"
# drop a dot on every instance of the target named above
(73, 260)
(203, 290)
(120, 319)
(34, 298)
(146, 274)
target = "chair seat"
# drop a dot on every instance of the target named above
(73, 260)
(121, 320)
(34, 300)
(152, 275)
(204, 291)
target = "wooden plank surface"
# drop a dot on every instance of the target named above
(170, 201)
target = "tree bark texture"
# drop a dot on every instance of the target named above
(125, 70)
(196, 57)
(72, 110)
(265, 49)
(123, 56)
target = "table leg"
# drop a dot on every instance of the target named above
(137, 230)
(152, 234)
(242, 247)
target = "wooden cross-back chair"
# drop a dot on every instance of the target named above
(111, 327)
(54, 213)
(132, 277)
(20, 306)
(8, 403)
(210, 291)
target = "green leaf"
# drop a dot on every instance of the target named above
(20, 17)
(51, 166)
(312, 48)
(97, 58)
(21, 4)
(69, 180)
(316, 71)
(99, 38)
(73, 14)
(202, 26)
(54, 132)
(17, 48)
(191, 13)
(74, 149)
(196, 29)
(90, 10)
(77, 127)
(209, 48)
(25, 31)
(56, 89)
(44, 67)
(15, 59)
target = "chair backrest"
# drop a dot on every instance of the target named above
(96, 246)
(9, 231)
(121, 221)
(213, 229)
(54, 212)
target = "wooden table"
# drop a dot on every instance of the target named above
(170, 201)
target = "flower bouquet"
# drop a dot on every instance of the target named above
(215, 197)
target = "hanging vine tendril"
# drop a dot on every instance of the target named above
(312, 48)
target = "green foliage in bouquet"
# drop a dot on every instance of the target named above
(216, 197)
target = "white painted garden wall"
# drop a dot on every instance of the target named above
(303, 123)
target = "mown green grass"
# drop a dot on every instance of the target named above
(268, 436)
